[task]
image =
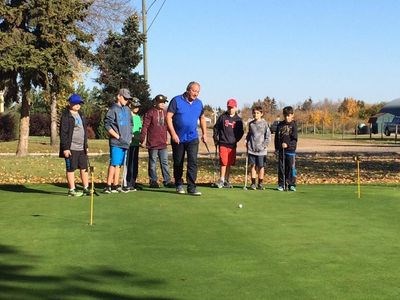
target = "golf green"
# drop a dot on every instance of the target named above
(320, 242)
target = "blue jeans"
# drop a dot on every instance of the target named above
(178, 152)
(162, 155)
(287, 169)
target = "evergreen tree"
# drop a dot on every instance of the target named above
(38, 40)
(117, 58)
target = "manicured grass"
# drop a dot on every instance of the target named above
(320, 242)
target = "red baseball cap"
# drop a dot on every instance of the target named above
(231, 103)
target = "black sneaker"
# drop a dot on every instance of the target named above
(86, 192)
(194, 192)
(169, 185)
(228, 185)
(125, 189)
(115, 189)
(154, 185)
(107, 190)
(260, 187)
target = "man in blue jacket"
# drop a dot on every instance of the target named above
(182, 115)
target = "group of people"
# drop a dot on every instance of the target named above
(127, 133)
(228, 131)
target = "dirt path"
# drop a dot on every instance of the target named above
(311, 145)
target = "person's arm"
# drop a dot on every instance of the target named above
(171, 128)
(293, 136)
(203, 127)
(145, 126)
(64, 128)
(239, 131)
(276, 139)
(109, 119)
(267, 135)
(216, 130)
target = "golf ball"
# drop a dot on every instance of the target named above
(240, 205)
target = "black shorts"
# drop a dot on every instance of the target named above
(258, 160)
(77, 160)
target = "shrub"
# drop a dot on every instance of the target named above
(39, 124)
(8, 126)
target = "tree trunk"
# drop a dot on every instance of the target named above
(22, 148)
(54, 119)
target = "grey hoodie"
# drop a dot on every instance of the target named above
(119, 118)
(258, 137)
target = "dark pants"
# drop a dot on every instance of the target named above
(132, 165)
(178, 153)
(290, 170)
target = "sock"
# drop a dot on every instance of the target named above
(222, 179)
(260, 180)
(253, 181)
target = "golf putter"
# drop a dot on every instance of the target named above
(284, 169)
(212, 159)
(246, 170)
(91, 172)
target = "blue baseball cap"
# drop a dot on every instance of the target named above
(75, 99)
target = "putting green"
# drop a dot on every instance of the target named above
(320, 242)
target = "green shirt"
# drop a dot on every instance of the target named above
(136, 129)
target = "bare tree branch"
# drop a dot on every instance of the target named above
(106, 15)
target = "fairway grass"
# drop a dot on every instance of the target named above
(320, 242)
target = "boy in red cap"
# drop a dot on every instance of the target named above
(228, 130)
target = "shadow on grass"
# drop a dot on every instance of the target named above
(21, 188)
(19, 279)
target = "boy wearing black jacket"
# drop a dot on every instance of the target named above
(228, 130)
(74, 145)
(285, 146)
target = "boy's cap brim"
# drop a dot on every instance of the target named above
(75, 99)
(160, 99)
(135, 102)
(231, 103)
(125, 93)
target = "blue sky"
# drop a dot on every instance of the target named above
(287, 49)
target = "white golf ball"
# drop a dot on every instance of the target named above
(240, 205)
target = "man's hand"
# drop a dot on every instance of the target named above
(204, 138)
(124, 142)
(67, 153)
(175, 138)
(284, 145)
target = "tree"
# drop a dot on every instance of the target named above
(64, 45)
(104, 16)
(37, 41)
(20, 61)
(307, 105)
(349, 107)
(117, 58)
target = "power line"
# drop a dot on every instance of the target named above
(155, 17)
(150, 6)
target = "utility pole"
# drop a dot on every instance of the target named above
(144, 31)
